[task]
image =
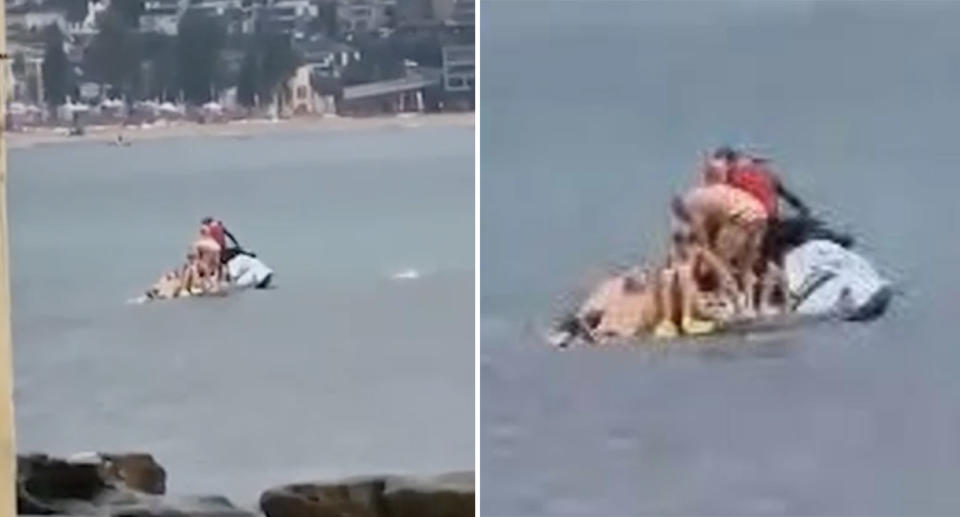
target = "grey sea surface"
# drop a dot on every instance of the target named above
(343, 369)
(592, 116)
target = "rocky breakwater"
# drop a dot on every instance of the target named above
(447, 495)
(116, 485)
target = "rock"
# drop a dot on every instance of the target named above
(448, 495)
(41, 480)
(116, 485)
(137, 471)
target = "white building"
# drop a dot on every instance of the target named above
(459, 63)
(35, 20)
(364, 15)
(464, 13)
(161, 16)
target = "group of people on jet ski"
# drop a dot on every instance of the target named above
(212, 264)
(734, 255)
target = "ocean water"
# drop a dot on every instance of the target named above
(343, 369)
(592, 116)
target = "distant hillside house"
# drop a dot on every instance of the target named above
(365, 15)
(289, 16)
(33, 18)
(464, 13)
(161, 16)
(423, 12)
(393, 96)
(458, 68)
(304, 99)
(326, 57)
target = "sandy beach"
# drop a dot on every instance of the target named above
(180, 129)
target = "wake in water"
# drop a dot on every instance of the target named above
(406, 274)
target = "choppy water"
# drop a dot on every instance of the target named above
(591, 116)
(341, 370)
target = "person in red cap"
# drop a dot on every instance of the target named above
(753, 175)
(219, 233)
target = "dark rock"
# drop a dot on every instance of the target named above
(41, 480)
(449, 495)
(137, 471)
(106, 484)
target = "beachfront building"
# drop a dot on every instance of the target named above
(464, 13)
(161, 16)
(289, 16)
(393, 96)
(458, 68)
(33, 18)
(27, 86)
(423, 12)
(365, 15)
(304, 99)
(216, 8)
(326, 57)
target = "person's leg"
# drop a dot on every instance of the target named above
(746, 243)
(708, 263)
(773, 282)
(732, 240)
(689, 292)
(752, 249)
(187, 280)
(666, 286)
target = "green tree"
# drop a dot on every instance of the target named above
(280, 61)
(326, 22)
(425, 48)
(200, 40)
(129, 11)
(74, 10)
(55, 68)
(379, 61)
(249, 80)
(160, 55)
(270, 60)
(19, 65)
(115, 54)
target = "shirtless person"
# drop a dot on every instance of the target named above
(191, 279)
(698, 290)
(732, 223)
(660, 303)
(208, 252)
(220, 233)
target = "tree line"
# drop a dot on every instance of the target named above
(192, 65)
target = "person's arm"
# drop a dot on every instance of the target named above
(233, 240)
(724, 275)
(693, 221)
(792, 199)
(217, 274)
(774, 279)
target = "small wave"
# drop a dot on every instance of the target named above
(407, 274)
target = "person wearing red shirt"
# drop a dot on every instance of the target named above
(753, 175)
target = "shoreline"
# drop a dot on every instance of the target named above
(239, 128)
